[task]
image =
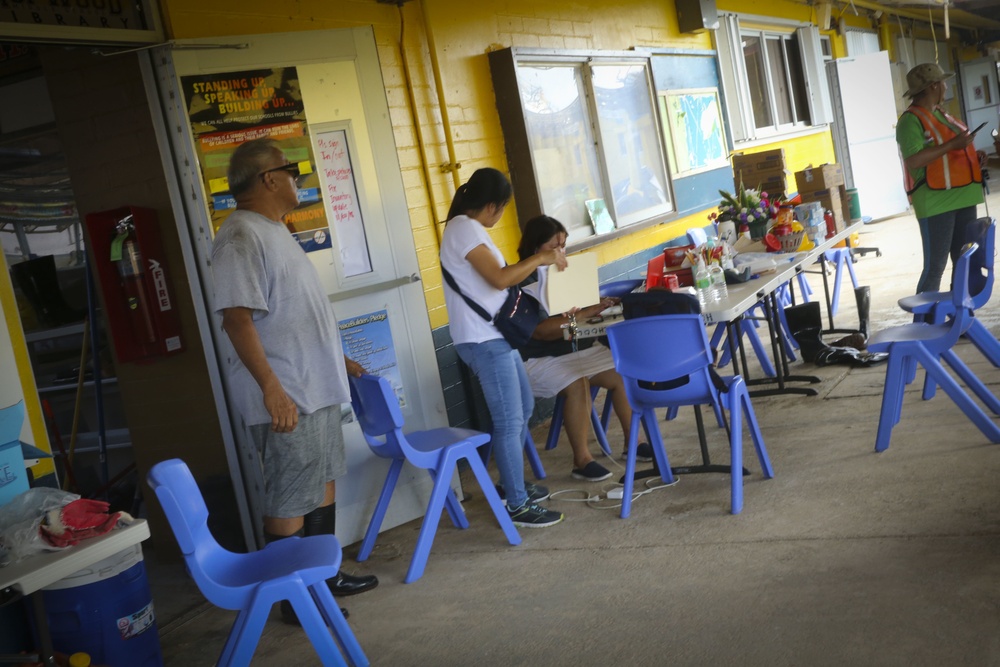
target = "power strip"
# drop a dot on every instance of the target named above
(616, 493)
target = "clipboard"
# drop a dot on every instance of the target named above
(575, 287)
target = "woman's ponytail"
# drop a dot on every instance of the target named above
(486, 186)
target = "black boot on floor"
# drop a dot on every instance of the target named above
(805, 322)
(323, 521)
(288, 615)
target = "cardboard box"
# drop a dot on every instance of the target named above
(771, 181)
(13, 474)
(823, 177)
(763, 161)
(832, 199)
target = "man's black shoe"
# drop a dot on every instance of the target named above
(347, 584)
(289, 617)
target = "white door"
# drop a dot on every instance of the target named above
(863, 94)
(978, 81)
(364, 251)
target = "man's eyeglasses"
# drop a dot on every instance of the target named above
(293, 168)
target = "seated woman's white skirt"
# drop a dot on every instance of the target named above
(550, 375)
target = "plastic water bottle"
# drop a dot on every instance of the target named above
(718, 277)
(703, 283)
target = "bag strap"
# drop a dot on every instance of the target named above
(479, 310)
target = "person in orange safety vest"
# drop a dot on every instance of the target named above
(945, 180)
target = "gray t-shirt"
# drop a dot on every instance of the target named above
(257, 264)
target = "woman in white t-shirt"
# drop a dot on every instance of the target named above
(481, 273)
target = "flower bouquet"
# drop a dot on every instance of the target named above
(748, 206)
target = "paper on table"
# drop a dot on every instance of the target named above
(575, 287)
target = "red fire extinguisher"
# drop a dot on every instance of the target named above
(131, 273)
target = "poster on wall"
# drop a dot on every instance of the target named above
(697, 140)
(229, 108)
(341, 194)
(367, 339)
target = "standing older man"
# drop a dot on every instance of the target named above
(289, 376)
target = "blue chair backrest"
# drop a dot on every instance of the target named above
(961, 301)
(11, 421)
(981, 231)
(377, 409)
(619, 288)
(183, 504)
(664, 360)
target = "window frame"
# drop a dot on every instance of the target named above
(817, 111)
(506, 68)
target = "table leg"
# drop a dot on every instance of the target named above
(47, 653)
(780, 360)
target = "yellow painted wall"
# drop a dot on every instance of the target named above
(462, 33)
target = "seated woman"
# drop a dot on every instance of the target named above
(555, 369)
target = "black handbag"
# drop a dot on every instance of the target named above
(517, 318)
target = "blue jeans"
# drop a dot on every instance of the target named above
(508, 396)
(943, 235)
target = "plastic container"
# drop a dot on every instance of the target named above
(703, 283)
(718, 277)
(855, 203)
(106, 611)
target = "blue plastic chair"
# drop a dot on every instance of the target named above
(681, 375)
(437, 451)
(936, 307)
(293, 569)
(841, 258)
(927, 345)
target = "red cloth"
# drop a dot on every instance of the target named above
(77, 521)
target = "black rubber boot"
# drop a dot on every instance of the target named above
(288, 615)
(863, 297)
(323, 521)
(805, 322)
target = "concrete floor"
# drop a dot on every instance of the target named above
(846, 557)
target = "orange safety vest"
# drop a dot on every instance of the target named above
(952, 170)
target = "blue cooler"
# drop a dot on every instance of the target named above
(106, 610)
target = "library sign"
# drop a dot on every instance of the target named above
(81, 20)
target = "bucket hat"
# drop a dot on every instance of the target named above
(923, 75)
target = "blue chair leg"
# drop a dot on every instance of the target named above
(758, 348)
(599, 432)
(805, 291)
(892, 399)
(972, 381)
(451, 505)
(629, 481)
(315, 626)
(368, 543)
(338, 624)
(736, 460)
(557, 420)
(958, 395)
(428, 528)
(608, 406)
(493, 499)
(984, 341)
(226, 657)
(532, 454)
(251, 627)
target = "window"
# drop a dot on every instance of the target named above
(774, 79)
(579, 129)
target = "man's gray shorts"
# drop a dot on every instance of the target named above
(297, 465)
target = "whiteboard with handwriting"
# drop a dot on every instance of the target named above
(340, 192)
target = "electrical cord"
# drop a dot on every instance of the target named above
(599, 501)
